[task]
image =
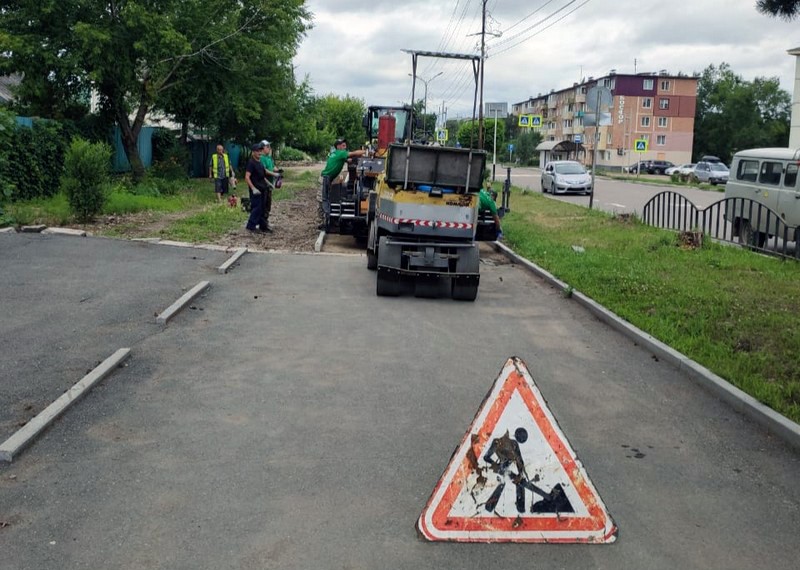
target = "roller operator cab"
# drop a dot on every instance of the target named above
(424, 221)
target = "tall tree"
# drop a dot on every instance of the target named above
(141, 55)
(786, 9)
(734, 114)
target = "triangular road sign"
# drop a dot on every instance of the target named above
(515, 477)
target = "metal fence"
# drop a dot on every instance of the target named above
(744, 221)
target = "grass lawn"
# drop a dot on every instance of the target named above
(189, 213)
(733, 311)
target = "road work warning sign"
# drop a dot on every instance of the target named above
(515, 477)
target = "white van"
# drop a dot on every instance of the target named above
(767, 176)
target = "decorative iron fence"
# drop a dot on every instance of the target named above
(744, 221)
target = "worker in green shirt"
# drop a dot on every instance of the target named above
(486, 202)
(337, 159)
(333, 169)
(272, 173)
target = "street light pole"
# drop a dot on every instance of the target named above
(425, 98)
(494, 146)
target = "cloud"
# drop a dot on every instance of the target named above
(356, 50)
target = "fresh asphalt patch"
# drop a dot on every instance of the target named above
(69, 302)
(294, 419)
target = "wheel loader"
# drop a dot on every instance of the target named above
(346, 204)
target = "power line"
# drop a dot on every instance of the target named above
(534, 25)
(536, 33)
(539, 9)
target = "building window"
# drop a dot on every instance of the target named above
(663, 122)
(608, 82)
(645, 137)
(661, 140)
(646, 121)
(609, 138)
(665, 85)
(583, 90)
(567, 123)
(647, 84)
(663, 103)
(647, 103)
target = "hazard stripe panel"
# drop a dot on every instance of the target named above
(426, 223)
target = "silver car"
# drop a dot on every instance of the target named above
(562, 176)
(711, 172)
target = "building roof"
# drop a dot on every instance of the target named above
(547, 145)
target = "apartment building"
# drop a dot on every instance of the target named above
(656, 107)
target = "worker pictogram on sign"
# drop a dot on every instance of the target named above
(515, 477)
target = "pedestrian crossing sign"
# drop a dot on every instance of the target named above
(530, 121)
(640, 145)
(515, 477)
(441, 135)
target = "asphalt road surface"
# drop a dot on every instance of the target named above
(293, 419)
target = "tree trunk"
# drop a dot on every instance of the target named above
(130, 137)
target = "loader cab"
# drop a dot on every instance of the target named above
(402, 117)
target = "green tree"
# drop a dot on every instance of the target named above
(525, 146)
(786, 9)
(341, 117)
(734, 114)
(214, 61)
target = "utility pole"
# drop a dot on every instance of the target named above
(483, 62)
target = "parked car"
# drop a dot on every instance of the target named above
(562, 176)
(640, 166)
(683, 169)
(658, 166)
(711, 172)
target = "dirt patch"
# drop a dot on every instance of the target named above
(294, 224)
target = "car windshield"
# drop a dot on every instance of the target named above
(569, 168)
(718, 166)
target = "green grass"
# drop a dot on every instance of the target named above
(207, 225)
(731, 310)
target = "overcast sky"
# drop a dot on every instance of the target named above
(355, 47)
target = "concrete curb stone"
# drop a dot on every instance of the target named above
(778, 424)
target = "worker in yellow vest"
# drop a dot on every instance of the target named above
(221, 171)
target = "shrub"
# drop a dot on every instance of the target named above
(6, 144)
(170, 157)
(36, 159)
(289, 153)
(86, 169)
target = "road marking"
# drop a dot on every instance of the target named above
(515, 477)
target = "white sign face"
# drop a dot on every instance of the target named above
(500, 110)
(515, 478)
